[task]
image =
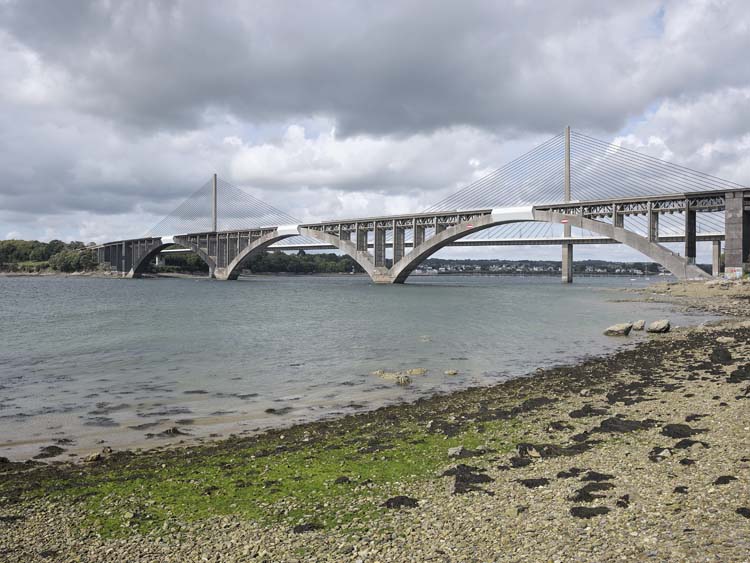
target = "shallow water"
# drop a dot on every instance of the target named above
(108, 361)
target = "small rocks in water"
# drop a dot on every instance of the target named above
(724, 480)
(623, 501)
(451, 372)
(401, 501)
(620, 329)
(588, 512)
(680, 489)
(416, 371)
(678, 431)
(743, 511)
(93, 457)
(49, 451)
(639, 324)
(278, 412)
(308, 527)
(534, 483)
(394, 376)
(659, 327)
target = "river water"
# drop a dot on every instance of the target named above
(94, 362)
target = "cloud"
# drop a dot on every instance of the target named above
(112, 112)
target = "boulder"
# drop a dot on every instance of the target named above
(451, 372)
(639, 325)
(416, 371)
(621, 329)
(660, 326)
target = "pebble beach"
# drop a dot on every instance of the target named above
(641, 455)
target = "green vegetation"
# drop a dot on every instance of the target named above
(35, 256)
(270, 262)
(287, 476)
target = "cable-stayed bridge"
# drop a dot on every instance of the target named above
(572, 189)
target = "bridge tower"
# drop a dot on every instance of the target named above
(567, 247)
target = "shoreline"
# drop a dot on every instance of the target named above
(403, 449)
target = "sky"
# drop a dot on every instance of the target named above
(112, 112)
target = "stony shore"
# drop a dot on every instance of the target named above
(643, 455)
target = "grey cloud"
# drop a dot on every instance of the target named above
(380, 68)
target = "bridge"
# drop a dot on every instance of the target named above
(572, 189)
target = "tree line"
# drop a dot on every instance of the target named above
(271, 262)
(35, 256)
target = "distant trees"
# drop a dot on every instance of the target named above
(32, 255)
(272, 262)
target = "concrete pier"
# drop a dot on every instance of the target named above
(716, 258)
(737, 234)
(567, 263)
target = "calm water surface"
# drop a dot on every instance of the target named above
(108, 361)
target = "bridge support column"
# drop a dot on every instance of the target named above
(399, 242)
(361, 239)
(379, 247)
(689, 233)
(653, 224)
(716, 258)
(567, 262)
(737, 235)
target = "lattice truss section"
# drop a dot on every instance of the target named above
(236, 210)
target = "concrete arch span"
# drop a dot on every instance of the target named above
(140, 265)
(233, 269)
(399, 271)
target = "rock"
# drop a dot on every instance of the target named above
(588, 512)
(394, 376)
(623, 501)
(743, 511)
(451, 372)
(659, 327)
(534, 483)
(678, 431)
(614, 424)
(621, 329)
(458, 451)
(680, 489)
(308, 527)
(93, 457)
(720, 355)
(49, 451)
(586, 411)
(343, 480)
(724, 480)
(416, 371)
(658, 454)
(639, 324)
(726, 339)
(401, 501)
(597, 477)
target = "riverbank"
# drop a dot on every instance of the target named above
(643, 454)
